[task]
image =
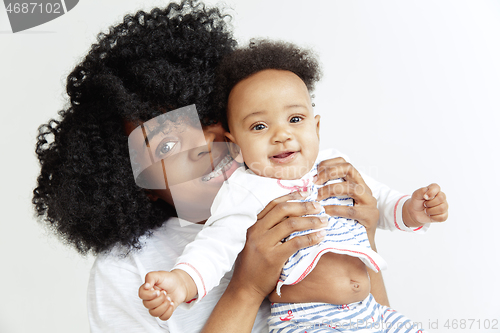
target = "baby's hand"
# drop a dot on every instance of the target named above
(427, 204)
(156, 301)
(163, 291)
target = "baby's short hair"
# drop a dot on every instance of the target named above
(260, 55)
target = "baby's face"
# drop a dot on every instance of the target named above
(271, 119)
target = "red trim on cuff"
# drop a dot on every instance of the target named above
(395, 210)
(199, 275)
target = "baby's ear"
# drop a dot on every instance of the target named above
(235, 152)
(230, 137)
(317, 118)
(234, 149)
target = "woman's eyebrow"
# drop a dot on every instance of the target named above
(149, 135)
(152, 132)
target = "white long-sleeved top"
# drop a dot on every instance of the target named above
(235, 208)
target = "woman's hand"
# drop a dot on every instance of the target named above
(259, 264)
(364, 211)
(365, 205)
(261, 261)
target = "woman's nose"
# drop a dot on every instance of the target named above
(198, 152)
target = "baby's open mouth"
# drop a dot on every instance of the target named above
(284, 157)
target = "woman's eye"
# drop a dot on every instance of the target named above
(165, 148)
(259, 127)
(295, 119)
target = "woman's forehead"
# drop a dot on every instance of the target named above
(167, 121)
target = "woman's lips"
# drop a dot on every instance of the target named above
(223, 169)
(227, 171)
(284, 157)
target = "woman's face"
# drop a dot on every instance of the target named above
(181, 163)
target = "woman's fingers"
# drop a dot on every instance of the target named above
(348, 212)
(352, 185)
(283, 210)
(345, 188)
(337, 168)
(330, 169)
(288, 248)
(294, 224)
(270, 206)
(365, 215)
(360, 193)
(264, 251)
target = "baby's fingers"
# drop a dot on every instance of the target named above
(156, 301)
(168, 312)
(432, 190)
(146, 293)
(438, 200)
(437, 208)
(164, 310)
(153, 278)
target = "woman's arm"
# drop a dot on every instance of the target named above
(376, 280)
(259, 264)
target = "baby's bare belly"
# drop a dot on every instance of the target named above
(336, 279)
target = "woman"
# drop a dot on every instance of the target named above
(150, 64)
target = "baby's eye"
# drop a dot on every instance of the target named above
(295, 119)
(164, 148)
(259, 127)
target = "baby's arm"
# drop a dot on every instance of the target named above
(397, 211)
(163, 291)
(408, 213)
(205, 260)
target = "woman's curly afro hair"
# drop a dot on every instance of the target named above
(150, 63)
(259, 55)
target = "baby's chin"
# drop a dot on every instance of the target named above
(282, 172)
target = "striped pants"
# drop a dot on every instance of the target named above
(364, 316)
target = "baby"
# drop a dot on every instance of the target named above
(270, 117)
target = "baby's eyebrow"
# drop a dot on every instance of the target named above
(253, 114)
(296, 106)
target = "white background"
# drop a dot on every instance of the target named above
(411, 92)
